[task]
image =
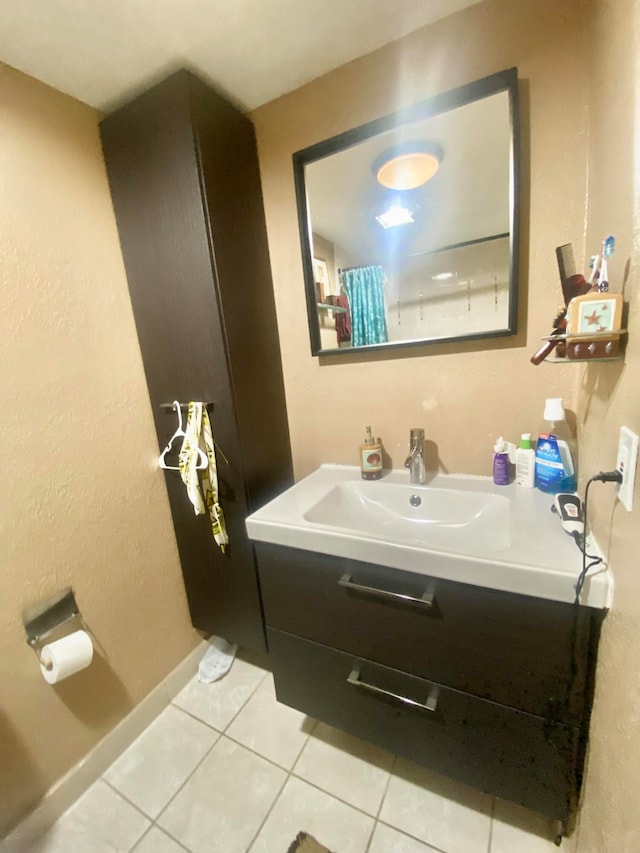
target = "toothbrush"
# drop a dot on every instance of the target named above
(608, 248)
(594, 260)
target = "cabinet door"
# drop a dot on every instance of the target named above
(228, 158)
(507, 753)
(154, 172)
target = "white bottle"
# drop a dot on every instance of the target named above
(525, 462)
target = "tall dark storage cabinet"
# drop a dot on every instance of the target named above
(183, 170)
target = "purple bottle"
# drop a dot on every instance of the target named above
(500, 463)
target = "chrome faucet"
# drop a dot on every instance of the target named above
(415, 460)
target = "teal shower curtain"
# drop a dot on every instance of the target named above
(365, 290)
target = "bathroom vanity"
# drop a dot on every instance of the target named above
(417, 631)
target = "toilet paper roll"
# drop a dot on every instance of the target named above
(66, 656)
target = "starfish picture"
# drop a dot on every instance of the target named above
(593, 319)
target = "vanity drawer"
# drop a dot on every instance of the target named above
(496, 749)
(515, 650)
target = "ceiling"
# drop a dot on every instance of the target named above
(253, 51)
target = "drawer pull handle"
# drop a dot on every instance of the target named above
(427, 599)
(431, 705)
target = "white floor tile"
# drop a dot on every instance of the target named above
(518, 829)
(437, 810)
(349, 768)
(157, 841)
(218, 703)
(223, 804)
(388, 840)
(101, 822)
(156, 764)
(270, 728)
(301, 807)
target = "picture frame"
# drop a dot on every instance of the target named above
(595, 313)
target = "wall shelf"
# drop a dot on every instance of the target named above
(593, 337)
(334, 309)
(583, 360)
(588, 336)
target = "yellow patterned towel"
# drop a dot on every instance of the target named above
(198, 430)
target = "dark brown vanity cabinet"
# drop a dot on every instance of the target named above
(485, 686)
(183, 171)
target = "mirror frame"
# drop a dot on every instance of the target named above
(503, 81)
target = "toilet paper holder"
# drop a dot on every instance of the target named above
(42, 619)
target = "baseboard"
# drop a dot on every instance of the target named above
(68, 789)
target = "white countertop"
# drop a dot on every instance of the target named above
(541, 559)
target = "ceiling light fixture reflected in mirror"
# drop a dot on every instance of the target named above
(406, 167)
(395, 214)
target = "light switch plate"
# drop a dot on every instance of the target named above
(626, 464)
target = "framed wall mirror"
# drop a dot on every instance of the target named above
(409, 224)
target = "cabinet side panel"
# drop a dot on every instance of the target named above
(233, 195)
(153, 172)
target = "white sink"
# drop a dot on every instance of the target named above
(464, 529)
(466, 522)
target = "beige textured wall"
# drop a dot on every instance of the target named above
(81, 502)
(609, 397)
(463, 395)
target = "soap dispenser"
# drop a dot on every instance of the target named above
(370, 457)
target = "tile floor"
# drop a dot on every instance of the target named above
(226, 769)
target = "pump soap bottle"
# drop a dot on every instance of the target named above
(370, 458)
(555, 451)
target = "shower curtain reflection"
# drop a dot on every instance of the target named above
(365, 290)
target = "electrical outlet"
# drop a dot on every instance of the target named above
(626, 464)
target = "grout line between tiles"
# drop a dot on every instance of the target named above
(382, 799)
(289, 773)
(172, 837)
(296, 776)
(221, 731)
(250, 749)
(171, 799)
(386, 787)
(142, 837)
(197, 719)
(333, 796)
(493, 809)
(313, 728)
(160, 829)
(268, 814)
(413, 837)
(126, 799)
